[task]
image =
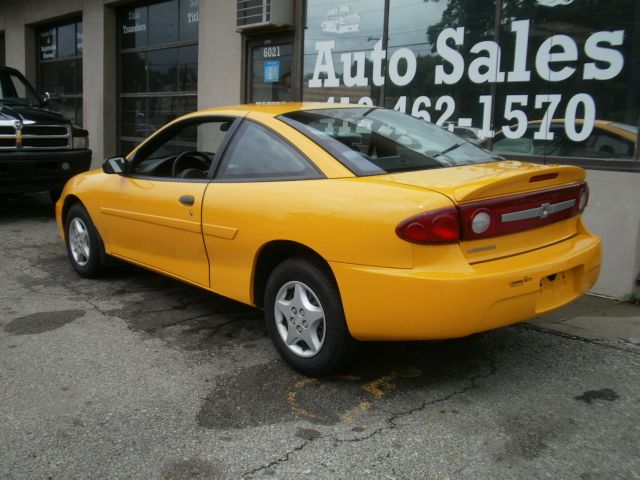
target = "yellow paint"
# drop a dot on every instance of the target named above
(377, 387)
(305, 382)
(386, 383)
(292, 398)
(350, 417)
(390, 289)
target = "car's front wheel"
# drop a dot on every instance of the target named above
(304, 317)
(83, 242)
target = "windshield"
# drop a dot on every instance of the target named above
(374, 141)
(14, 90)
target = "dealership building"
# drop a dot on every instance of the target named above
(548, 81)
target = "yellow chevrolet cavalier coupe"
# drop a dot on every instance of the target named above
(341, 222)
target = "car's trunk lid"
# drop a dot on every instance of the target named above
(532, 205)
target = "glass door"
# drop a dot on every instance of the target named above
(269, 69)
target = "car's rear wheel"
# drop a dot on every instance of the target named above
(304, 317)
(83, 242)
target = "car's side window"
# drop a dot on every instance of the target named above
(189, 150)
(255, 153)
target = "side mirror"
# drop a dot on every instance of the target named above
(46, 99)
(114, 165)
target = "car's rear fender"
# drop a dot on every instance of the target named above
(342, 220)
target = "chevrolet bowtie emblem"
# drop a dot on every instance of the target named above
(545, 210)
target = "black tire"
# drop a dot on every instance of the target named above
(88, 262)
(319, 287)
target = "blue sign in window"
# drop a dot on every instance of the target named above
(272, 71)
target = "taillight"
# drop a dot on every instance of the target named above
(436, 226)
(499, 216)
(515, 213)
(584, 198)
(480, 221)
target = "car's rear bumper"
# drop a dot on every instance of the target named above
(411, 304)
(36, 171)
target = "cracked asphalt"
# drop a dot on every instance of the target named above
(138, 376)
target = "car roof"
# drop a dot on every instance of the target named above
(278, 108)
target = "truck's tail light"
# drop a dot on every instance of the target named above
(436, 226)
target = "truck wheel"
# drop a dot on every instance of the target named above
(83, 242)
(304, 317)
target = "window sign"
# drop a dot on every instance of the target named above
(342, 51)
(79, 38)
(272, 71)
(134, 27)
(48, 44)
(553, 71)
(60, 67)
(189, 19)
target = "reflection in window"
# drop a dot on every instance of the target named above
(257, 153)
(271, 72)
(163, 23)
(199, 142)
(158, 66)
(60, 67)
(537, 75)
(339, 34)
(162, 68)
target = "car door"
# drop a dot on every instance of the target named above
(259, 170)
(152, 214)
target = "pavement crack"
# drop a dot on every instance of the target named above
(391, 422)
(623, 345)
(280, 460)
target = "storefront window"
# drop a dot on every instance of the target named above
(60, 67)
(158, 66)
(574, 89)
(549, 80)
(425, 77)
(342, 51)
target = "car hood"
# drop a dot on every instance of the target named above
(28, 115)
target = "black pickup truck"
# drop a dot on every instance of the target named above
(39, 149)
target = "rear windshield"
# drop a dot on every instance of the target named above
(374, 141)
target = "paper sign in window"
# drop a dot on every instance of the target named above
(272, 71)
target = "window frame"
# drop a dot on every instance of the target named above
(146, 96)
(249, 179)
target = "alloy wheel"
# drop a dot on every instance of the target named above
(300, 319)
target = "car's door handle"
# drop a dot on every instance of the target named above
(187, 200)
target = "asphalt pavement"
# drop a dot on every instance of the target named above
(139, 376)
